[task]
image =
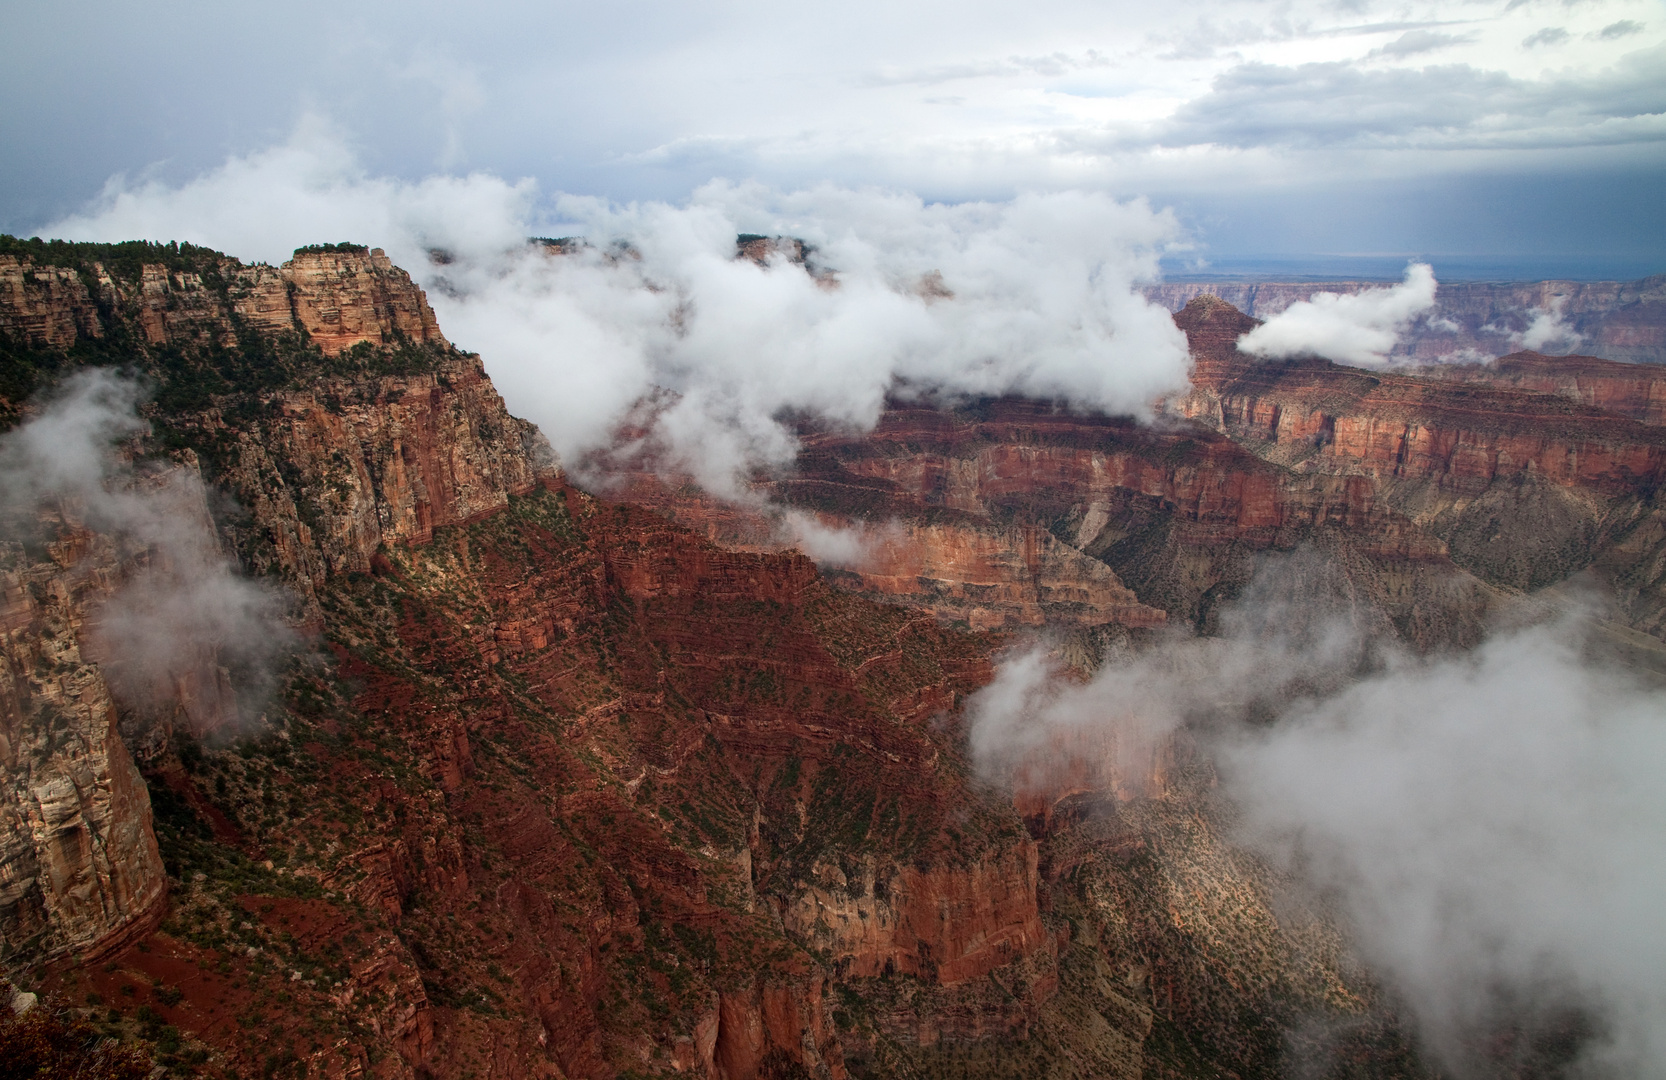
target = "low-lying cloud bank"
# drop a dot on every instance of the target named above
(1360, 328)
(1491, 825)
(183, 612)
(1035, 295)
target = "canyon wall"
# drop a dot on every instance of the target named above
(513, 675)
(1636, 391)
(1528, 471)
(338, 299)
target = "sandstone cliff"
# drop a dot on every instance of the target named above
(51, 296)
(79, 868)
(1632, 390)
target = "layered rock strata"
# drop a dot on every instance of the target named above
(1523, 486)
(338, 299)
(79, 867)
(1636, 391)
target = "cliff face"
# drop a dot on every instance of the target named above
(1623, 321)
(327, 476)
(1013, 513)
(79, 868)
(481, 618)
(333, 472)
(1630, 390)
(339, 299)
(1522, 482)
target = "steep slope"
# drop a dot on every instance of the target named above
(604, 645)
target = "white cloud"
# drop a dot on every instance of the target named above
(845, 547)
(1547, 330)
(1488, 827)
(183, 610)
(1350, 328)
(307, 190)
(1492, 825)
(1034, 295)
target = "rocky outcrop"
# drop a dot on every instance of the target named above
(1623, 321)
(350, 464)
(327, 474)
(947, 925)
(338, 298)
(79, 866)
(342, 298)
(46, 306)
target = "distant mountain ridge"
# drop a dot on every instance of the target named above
(1615, 320)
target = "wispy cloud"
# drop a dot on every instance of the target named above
(1486, 826)
(1052, 65)
(1623, 28)
(1550, 35)
(184, 612)
(1415, 42)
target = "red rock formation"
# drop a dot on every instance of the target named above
(45, 306)
(339, 299)
(1637, 391)
(1525, 487)
(344, 298)
(382, 460)
(574, 792)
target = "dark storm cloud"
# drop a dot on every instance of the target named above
(1447, 106)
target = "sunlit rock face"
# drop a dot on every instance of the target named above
(79, 867)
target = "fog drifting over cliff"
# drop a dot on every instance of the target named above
(1360, 328)
(1033, 295)
(183, 609)
(1490, 824)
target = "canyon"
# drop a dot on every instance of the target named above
(565, 781)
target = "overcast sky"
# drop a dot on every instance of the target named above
(1524, 131)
